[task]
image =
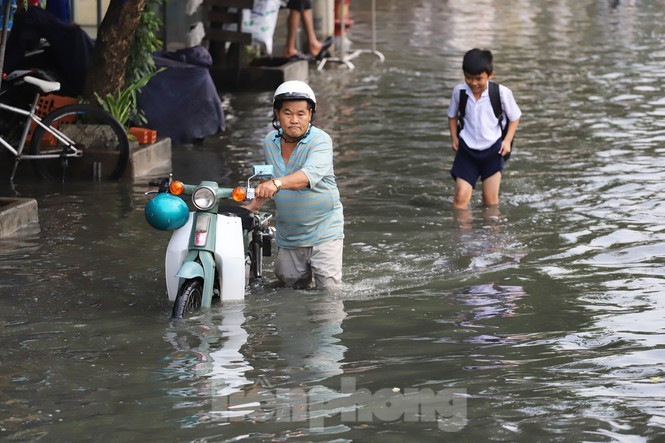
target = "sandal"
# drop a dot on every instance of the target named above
(323, 53)
(297, 57)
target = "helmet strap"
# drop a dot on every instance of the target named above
(280, 133)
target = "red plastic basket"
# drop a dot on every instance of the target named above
(45, 105)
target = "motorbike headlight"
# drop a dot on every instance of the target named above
(204, 198)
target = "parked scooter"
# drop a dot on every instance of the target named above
(214, 250)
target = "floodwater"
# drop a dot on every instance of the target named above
(542, 321)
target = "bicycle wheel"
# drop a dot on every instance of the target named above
(96, 132)
(189, 298)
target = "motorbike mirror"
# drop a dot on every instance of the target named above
(176, 187)
(263, 171)
(239, 194)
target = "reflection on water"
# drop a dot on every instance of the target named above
(547, 313)
(489, 301)
(222, 357)
(215, 353)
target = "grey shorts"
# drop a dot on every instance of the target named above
(296, 267)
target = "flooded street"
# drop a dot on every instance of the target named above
(542, 321)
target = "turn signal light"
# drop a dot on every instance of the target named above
(239, 194)
(176, 187)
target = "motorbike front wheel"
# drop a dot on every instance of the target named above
(189, 298)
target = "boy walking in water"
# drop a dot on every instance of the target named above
(481, 144)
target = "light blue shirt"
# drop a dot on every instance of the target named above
(312, 215)
(481, 127)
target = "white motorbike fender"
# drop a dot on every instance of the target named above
(229, 257)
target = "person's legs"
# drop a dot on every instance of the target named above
(315, 45)
(326, 263)
(491, 173)
(293, 22)
(465, 171)
(301, 11)
(463, 192)
(292, 267)
(491, 187)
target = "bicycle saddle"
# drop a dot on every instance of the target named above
(44, 85)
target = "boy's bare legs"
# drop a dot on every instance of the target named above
(295, 17)
(463, 193)
(491, 187)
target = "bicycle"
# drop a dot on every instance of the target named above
(64, 133)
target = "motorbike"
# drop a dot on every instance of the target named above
(214, 250)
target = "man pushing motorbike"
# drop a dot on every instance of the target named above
(309, 213)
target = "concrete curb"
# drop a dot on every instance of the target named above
(149, 159)
(264, 78)
(16, 213)
(145, 159)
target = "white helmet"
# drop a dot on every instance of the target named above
(295, 90)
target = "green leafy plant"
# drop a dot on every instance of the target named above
(123, 104)
(140, 62)
(140, 68)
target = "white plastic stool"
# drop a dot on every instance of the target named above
(346, 59)
(373, 50)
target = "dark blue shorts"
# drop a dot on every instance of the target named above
(469, 164)
(299, 5)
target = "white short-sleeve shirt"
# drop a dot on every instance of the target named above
(481, 127)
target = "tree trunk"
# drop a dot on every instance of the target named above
(114, 41)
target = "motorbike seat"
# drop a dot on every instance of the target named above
(246, 216)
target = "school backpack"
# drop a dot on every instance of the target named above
(495, 100)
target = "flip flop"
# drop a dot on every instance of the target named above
(297, 57)
(323, 53)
